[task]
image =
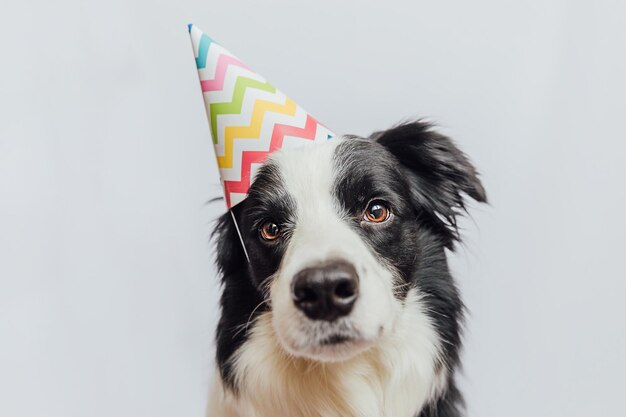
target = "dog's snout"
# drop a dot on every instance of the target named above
(327, 291)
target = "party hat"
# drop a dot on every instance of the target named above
(248, 117)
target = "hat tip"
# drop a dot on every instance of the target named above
(189, 26)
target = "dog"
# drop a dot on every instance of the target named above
(340, 301)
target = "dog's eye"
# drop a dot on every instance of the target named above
(269, 231)
(376, 212)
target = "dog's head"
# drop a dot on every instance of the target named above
(338, 234)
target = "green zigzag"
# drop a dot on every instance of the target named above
(234, 107)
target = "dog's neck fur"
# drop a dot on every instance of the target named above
(400, 377)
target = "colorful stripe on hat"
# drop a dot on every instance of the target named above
(248, 117)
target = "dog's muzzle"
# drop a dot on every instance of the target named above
(326, 291)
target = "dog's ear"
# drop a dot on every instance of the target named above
(230, 257)
(239, 296)
(438, 173)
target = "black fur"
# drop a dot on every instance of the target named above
(423, 177)
(239, 296)
(243, 295)
(438, 172)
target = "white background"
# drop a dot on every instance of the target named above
(107, 289)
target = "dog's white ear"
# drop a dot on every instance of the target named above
(440, 175)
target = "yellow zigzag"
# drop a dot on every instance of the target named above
(253, 131)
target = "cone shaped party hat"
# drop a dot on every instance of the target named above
(248, 117)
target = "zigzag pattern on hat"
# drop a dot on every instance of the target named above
(256, 157)
(248, 117)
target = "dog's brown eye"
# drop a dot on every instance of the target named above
(269, 231)
(377, 212)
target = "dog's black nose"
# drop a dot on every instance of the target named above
(327, 291)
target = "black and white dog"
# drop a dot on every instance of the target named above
(346, 306)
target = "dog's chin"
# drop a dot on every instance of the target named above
(333, 352)
(330, 347)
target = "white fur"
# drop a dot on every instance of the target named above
(284, 369)
(393, 378)
(321, 232)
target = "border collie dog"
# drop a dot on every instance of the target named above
(346, 306)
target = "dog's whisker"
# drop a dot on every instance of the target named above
(245, 326)
(446, 341)
(266, 286)
(430, 310)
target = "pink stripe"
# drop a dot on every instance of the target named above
(217, 83)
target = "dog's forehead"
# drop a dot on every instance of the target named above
(320, 174)
(307, 172)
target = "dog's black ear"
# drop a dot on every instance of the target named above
(438, 172)
(230, 257)
(239, 296)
